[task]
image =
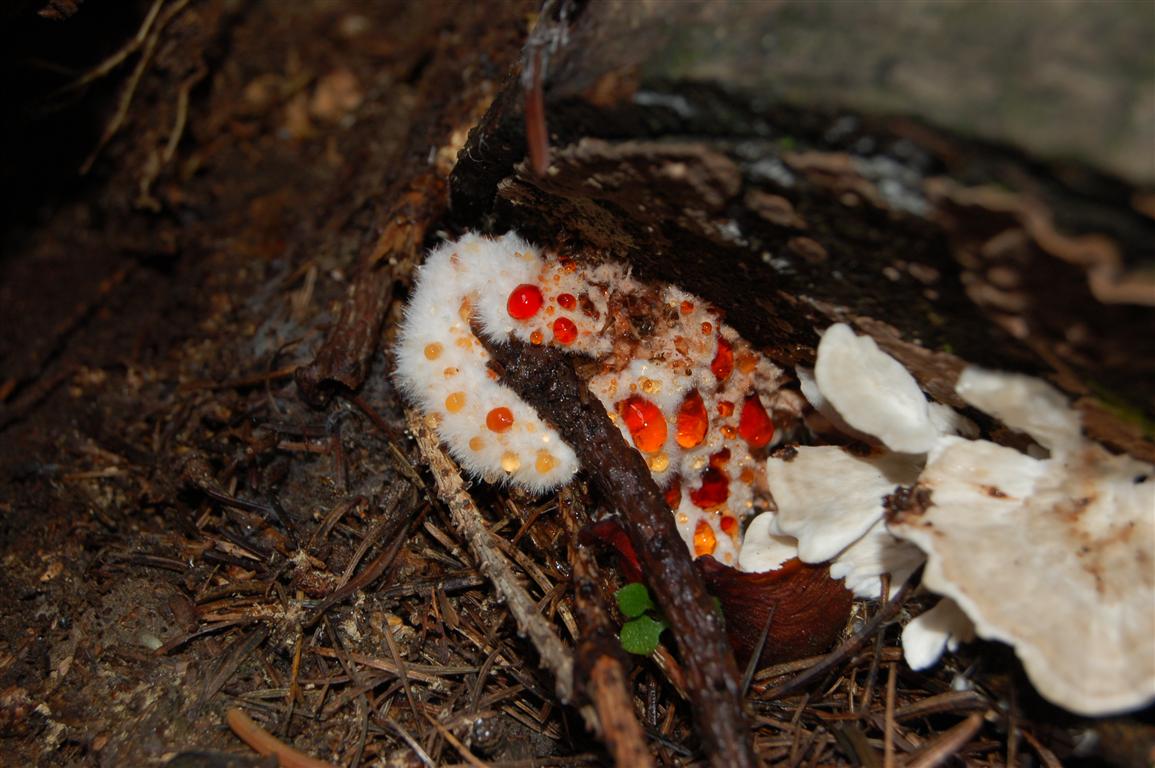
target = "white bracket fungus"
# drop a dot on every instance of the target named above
(872, 392)
(1054, 556)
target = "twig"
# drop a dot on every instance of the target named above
(491, 562)
(947, 744)
(265, 743)
(544, 377)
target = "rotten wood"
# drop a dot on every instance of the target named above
(544, 378)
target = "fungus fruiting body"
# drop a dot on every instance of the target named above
(1049, 550)
(685, 389)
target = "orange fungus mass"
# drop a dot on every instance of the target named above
(564, 331)
(645, 422)
(723, 363)
(693, 421)
(754, 425)
(524, 301)
(499, 419)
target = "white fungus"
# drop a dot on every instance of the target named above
(1055, 556)
(687, 390)
(872, 392)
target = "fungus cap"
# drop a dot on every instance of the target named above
(828, 498)
(1001, 529)
(872, 391)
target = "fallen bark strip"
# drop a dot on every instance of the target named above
(544, 378)
(598, 666)
(491, 562)
(343, 360)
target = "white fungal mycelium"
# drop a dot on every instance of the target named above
(684, 388)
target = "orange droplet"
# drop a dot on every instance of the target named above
(687, 307)
(645, 422)
(729, 432)
(674, 494)
(704, 539)
(545, 462)
(524, 301)
(693, 421)
(567, 301)
(500, 419)
(659, 462)
(564, 331)
(707, 328)
(451, 371)
(433, 351)
(730, 526)
(747, 476)
(747, 362)
(536, 337)
(476, 443)
(465, 310)
(455, 402)
(715, 489)
(754, 425)
(723, 363)
(510, 461)
(725, 408)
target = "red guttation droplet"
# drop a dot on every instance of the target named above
(723, 363)
(729, 525)
(693, 421)
(645, 422)
(567, 300)
(674, 494)
(524, 301)
(564, 331)
(754, 425)
(715, 489)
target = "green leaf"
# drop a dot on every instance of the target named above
(641, 635)
(634, 600)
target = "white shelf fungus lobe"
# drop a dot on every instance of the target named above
(1055, 556)
(688, 392)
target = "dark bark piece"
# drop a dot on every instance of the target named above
(343, 360)
(545, 379)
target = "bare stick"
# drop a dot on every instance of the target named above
(470, 524)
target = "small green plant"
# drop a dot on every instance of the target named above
(641, 633)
